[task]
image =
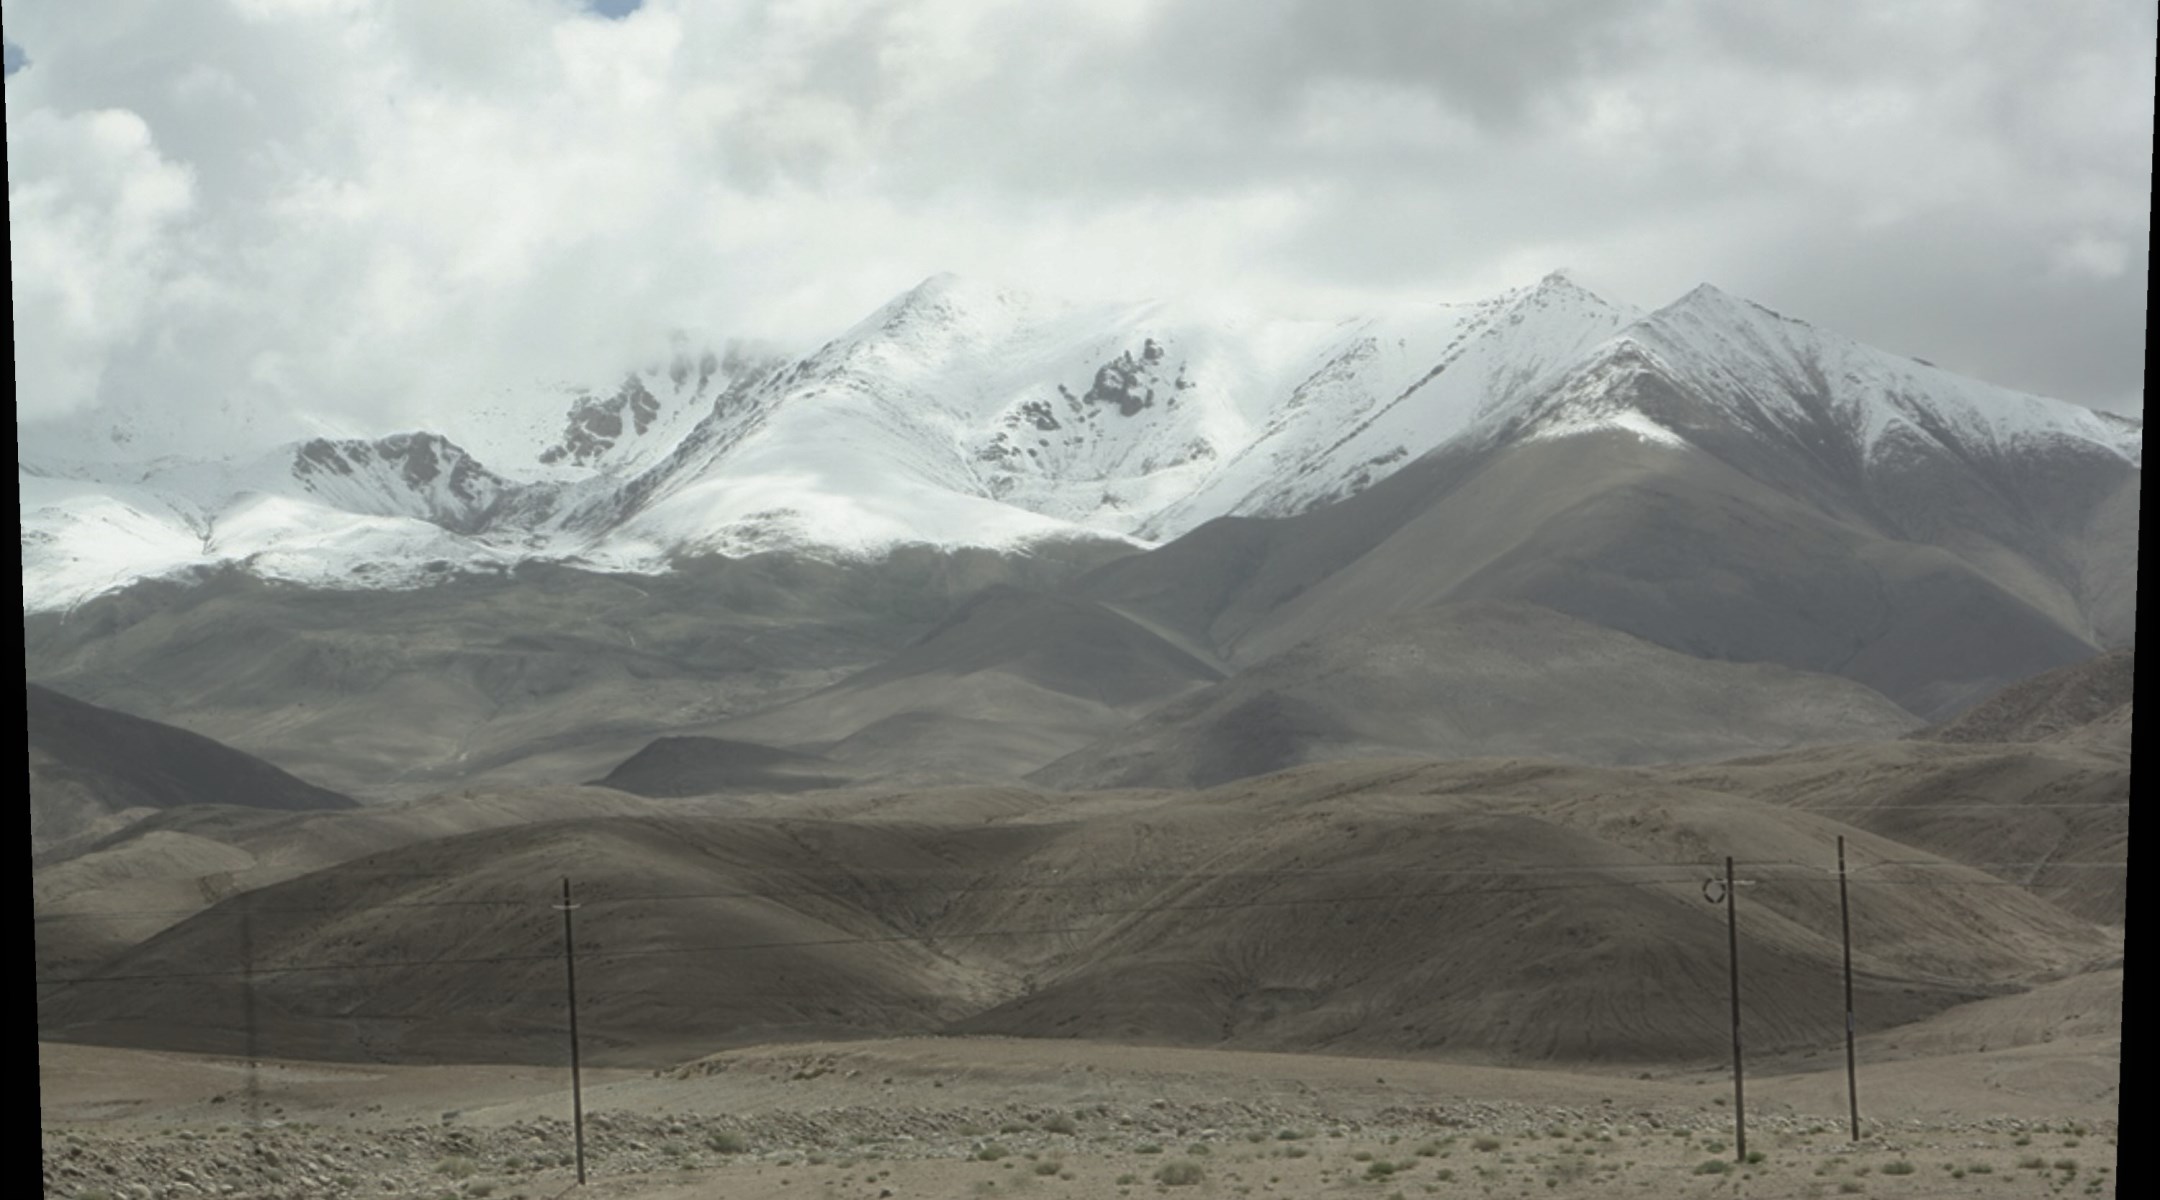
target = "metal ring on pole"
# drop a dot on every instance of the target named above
(1719, 885)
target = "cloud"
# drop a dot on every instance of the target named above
(351, 215)
(90, 246)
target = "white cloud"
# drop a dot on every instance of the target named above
(364, 212)
(93, 233)
(2097, 257)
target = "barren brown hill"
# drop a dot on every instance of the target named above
(1513, 911)
(549, 674)
(2049, 817)
(1011, 681)
(697, 766)
(94, 899)
(694, 933)
(1481, 910)
(92, 768)
(1933, 591)
(2068, 702)
(1477, 680)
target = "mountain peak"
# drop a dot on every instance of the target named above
(1710, 295)
(1565, 285)
(1708, 298)
(936, 284)
(946, 301)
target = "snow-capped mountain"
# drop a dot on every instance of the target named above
(571, 433)
(966, 414)
(1757, 374)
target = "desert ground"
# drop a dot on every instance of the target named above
(969, 1116)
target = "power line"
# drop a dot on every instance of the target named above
(928, 938)
(931, 939)
(859, 888)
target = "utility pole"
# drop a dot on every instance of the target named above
(251, 1031)
(1732, 950)
(1852, 1069)
(577, 1091)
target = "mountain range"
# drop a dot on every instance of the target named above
(1166, 500)
(963, 414)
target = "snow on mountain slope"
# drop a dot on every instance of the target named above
(1750, 371)
(572, 433)
(421, 475)
(1141, 421)
(965, 414)
(391, 511)
(2009, 483)
(82, 537)
(1080, 419)
(1391, 388)
(1773, 371)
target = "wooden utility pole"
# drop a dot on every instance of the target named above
(577, 1091)
(251, 1032)
(1732, 949)
(1852, 1068)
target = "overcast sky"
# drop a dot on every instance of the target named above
(373, 208)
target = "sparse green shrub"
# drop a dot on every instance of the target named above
(1900, 1167)
(726, 1141)
(1179, 1174)
(1712, 1166)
